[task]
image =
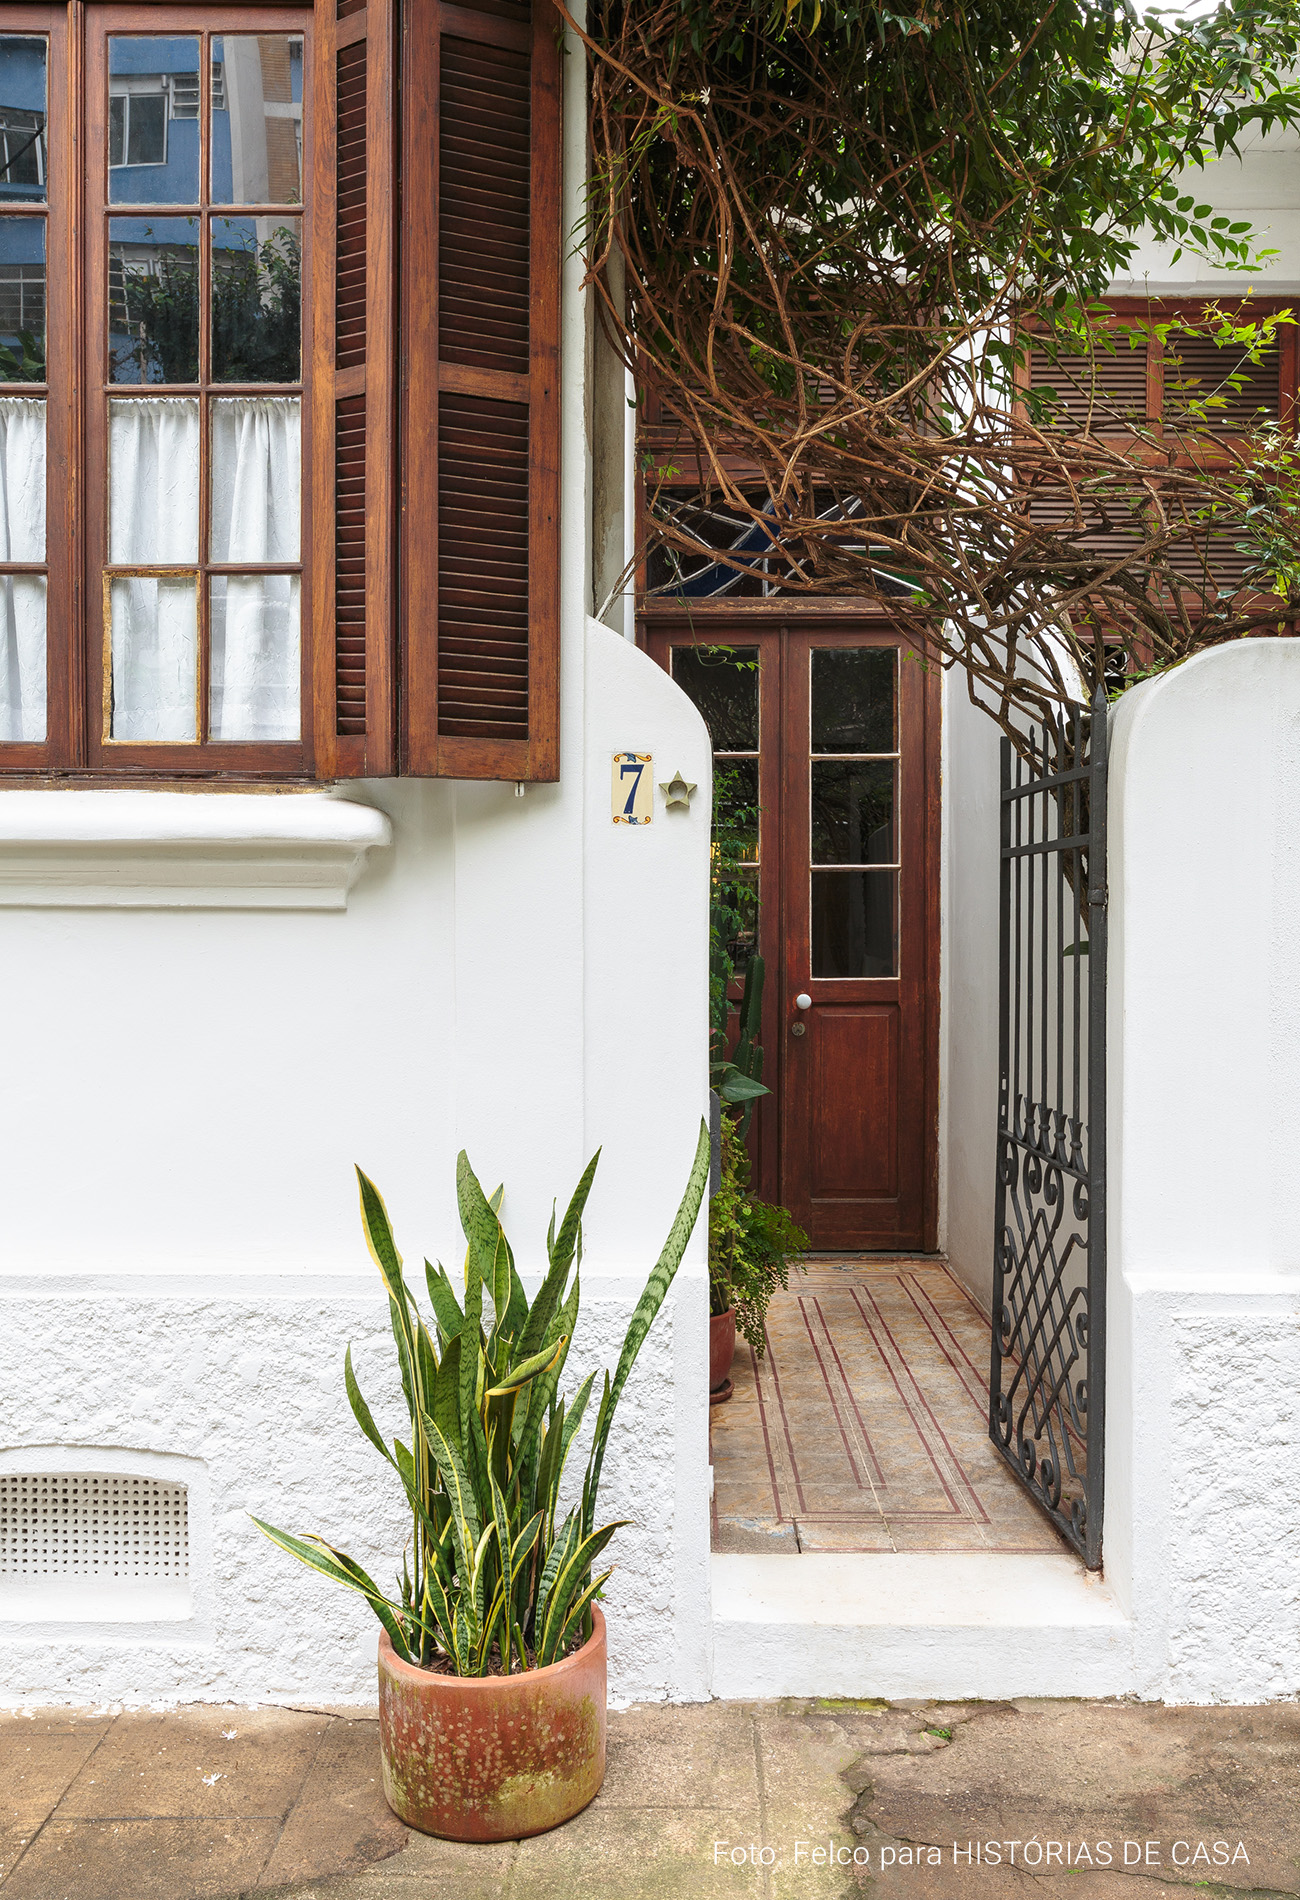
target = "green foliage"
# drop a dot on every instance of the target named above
(839, 223)
(496, 1573)
(26, 364)
(751, 1243)
(736, 1074)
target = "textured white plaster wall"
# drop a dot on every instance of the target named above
(1203, 1361)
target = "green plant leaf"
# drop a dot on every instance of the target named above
(360, 1410)
(656, 1289)
(446, 1307)
(528, 1369)
(318, 1555)
(740, 1088)
(571, 1572)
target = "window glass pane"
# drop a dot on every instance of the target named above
(256, 667)
(153, 481)
(256, 478)
(723, 683)
(854, 923)
(22, 656)
(153, 121)
(741, 922)
(155, 642)
(735, 806)
(153, 300)
(256, 300)
(22, 119)
(853, 811)
(853, 699)
(257, 119)
(22, 300)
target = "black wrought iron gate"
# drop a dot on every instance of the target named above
(1047, 1389)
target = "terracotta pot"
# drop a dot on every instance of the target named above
(722, 1346)
(493, 1758)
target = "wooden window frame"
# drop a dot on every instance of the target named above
(76, 747)
(370, 687)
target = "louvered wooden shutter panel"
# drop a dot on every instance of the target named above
(480, 538)
(354, 390)
(1196, 369)
(1101, 393)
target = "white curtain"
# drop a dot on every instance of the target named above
(153, 519)
(22, 596)
(256, 514)
(256, 457)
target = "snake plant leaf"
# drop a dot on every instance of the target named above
(545, 1386)
(447, 1407)
(643, 1317)
(573, 1418)
(569, 1536)
(578, 1610)
(550, 1465)
(523, 1544)
(446, 1307)
(379, 1237)
(570, 1577)
(529, 1368)
(360, 1410)
(318, 1555)
(483, 1236)
(560, 1251)
(466, 1528)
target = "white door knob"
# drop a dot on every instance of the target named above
(803, 1000)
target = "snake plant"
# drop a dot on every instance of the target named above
(495, 1574)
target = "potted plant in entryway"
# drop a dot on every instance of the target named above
(492, 1652)
(751, 1241)
(752, 1246)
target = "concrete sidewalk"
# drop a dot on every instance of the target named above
(815, 1799)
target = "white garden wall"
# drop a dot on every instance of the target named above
(186, 1092)
(1203, 1417)
(206, 1030)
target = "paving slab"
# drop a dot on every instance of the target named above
(788, 1800)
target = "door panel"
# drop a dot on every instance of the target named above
(845, 761)
(853, 1149)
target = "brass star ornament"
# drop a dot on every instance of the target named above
(677, 791)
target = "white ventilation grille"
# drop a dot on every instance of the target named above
(79, 1524)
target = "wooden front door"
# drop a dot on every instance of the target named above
(835, 727)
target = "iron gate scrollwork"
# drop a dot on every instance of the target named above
(1047, 1388)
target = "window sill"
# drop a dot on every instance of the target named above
(183, 850)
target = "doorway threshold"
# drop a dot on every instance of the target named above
(868, 1539)
(902, 1625)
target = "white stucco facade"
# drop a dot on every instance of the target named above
(224, 1001)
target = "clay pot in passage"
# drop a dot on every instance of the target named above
(493, 1758)
(722, 1348)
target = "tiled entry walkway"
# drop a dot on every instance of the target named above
(863, 1427)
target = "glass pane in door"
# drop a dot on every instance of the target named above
(722, 681)
(853, 849)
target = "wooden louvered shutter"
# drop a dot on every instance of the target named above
(480, 309)
(354, 408)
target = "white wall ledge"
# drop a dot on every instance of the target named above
(183, 850)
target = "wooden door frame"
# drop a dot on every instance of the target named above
(661, 624)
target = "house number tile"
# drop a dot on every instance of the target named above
(632, 793)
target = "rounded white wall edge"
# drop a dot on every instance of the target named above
(183, 850)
